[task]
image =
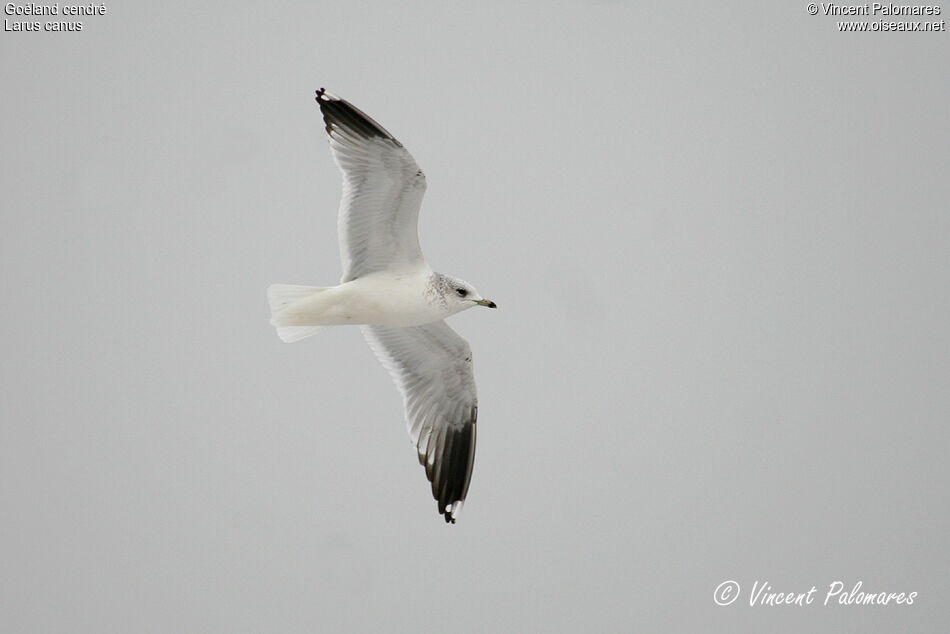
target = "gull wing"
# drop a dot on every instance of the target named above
(432, 367)
(382, 192)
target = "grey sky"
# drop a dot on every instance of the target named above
(718, 237)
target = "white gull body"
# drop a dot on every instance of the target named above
(395, 299)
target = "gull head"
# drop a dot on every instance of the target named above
(458, 295)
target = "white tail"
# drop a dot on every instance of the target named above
(280, 296)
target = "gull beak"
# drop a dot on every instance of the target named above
(486, 302)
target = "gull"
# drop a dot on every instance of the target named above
(399, 302)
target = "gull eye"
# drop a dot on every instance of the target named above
(461, 292)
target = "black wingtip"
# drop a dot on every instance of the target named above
(340, 113)
(451, 473)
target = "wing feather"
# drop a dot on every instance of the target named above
(432, 367)
(382, 192)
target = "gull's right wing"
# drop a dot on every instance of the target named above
(382, 192)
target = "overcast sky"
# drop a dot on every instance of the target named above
(718, 237)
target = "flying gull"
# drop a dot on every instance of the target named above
(399, 302)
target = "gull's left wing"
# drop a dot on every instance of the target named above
(432, 367)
